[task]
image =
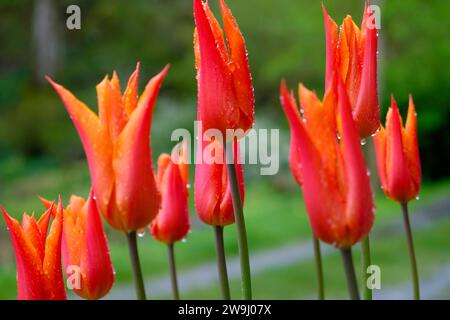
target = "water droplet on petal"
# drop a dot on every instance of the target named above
(363, 142)
(184, 240)
(417, 197)
(141, 233)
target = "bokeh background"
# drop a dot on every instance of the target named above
(40, 152)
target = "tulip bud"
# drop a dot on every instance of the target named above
(213, 201)
(85, 247)
(38, 255)
(172, 222)
(397, 153)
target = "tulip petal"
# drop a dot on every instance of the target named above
(226, 204)
(52, 262)
(217, 107)
(136, 192)
(180, 155)
(111, 112)
(359, 198)
(96, 143)
(163, 164)
(217, 32)
(322, 202)
(331, 39)
(291, 110)
(380, 150)
(130, 96)
(34, 234)
(411, 146)
(351, 64)
(240, 68)
(172, 222)
(395, 158)
(95, 259)
(366, 111)
(73, 242)
(208, 183)
(29, 269)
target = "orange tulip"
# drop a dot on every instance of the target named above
(397, 152)
(38, 255)
(213, 201)
(332, 173)
(172, 222)
(352, 53)
(225, 92)
(84, 246)
(117, 147)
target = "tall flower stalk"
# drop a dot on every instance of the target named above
(351, 53)
(225, 100)
(117, 147)
(399, 169)
(213, 197)
(172, 222)
(240, 223)
(331, 168)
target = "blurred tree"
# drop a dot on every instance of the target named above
(45, 39)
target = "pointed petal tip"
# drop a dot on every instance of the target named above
(324, 10)
(165, 69)
(47, 203)
(411, 101)
(283, 85)
(393, 102)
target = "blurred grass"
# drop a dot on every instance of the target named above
(275, 216)
(297, 281)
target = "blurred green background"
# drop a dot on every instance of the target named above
(40, 152)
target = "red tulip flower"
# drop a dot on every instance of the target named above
(172, 222)
(332, 172)
(213, 200)
(352, 53)
(225, 92)
(117, 147)
(397, 154)
(38, 255)
(84, 246)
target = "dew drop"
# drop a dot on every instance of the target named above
(184, 240)
(188, 185)
(141, 234)
(368, 173)
(418, 197)
(363, 142)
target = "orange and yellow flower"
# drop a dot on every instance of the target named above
(38, 255)
(352, 54)
(117, 147)
(327, 160)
